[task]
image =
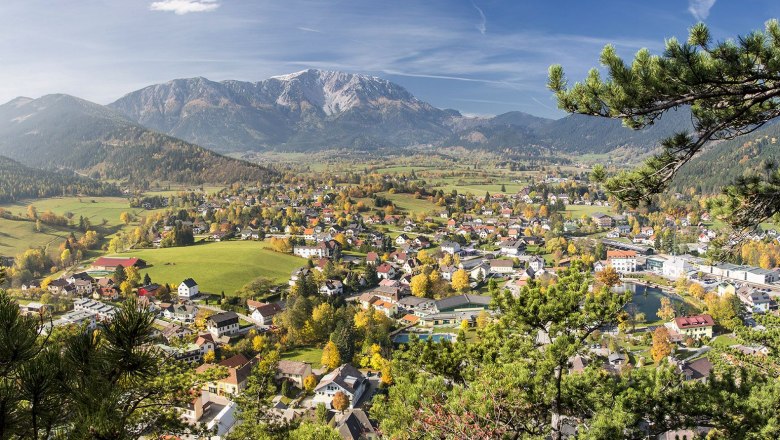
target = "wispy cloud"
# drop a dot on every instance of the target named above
(482, 25)
(181, 7)
(308, 29)
(700, 9)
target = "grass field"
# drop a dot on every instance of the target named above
(18, 236)
(94, 208)
(407, 202)
(226, 265)
(577, 211)
(311, 355)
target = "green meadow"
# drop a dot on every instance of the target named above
(221, 266)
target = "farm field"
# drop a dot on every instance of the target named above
(222, 266)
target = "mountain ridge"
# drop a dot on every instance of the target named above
(319, 109)
(66, 132)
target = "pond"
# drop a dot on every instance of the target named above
(647, 300)
(403, 338)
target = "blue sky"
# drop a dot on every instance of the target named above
(480, 57)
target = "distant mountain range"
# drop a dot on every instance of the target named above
(157, 133)
(315, 109)
(61, 131)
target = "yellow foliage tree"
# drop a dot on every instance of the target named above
(662, 345)
(209, 357)
(460, 280)
(330, 356)
(309, 383)
(420, 285)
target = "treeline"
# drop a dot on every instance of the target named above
(20, 182)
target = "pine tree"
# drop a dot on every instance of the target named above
(731, 87)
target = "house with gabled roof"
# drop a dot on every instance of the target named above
(347, 379)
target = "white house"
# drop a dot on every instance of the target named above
(263, 312)
(676, 267)
(188, 289)
(450, 247)
(536, 263)
(221, 324)
(501, 266)
(622, 261)
(346, 379)
(332, 288)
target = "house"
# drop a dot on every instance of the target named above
(346, 379)
(603, 220)
(323, 249)
(188, 289)
(332, 288)
(385, 271)
(225, 323)
(756, 300)
(102, 311)
(512, 248)
(501, 266)
(354, 424)
(172, 332)
(417, 306)
(238, 368)
(536, 263)
(181, 312)
(34, 284)
(655, 263)
(622, 261)
(695, 326)
(264, 312)
(111, 263)
(450, 247)
(401, 239)
(298, 274)
(206, 343)
(148, 290)
(698, 370)
(372, 258)
(187, 353)
(293, 371)
(676, 267)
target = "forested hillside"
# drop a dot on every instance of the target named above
(723, 162)
(20, 182)
(61, 131)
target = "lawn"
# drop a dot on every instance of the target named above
(724, 341)
(312, 355)
(223, 266)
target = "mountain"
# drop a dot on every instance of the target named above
(61, 131)
(570, 134)
(18, 181)
(310, 109)
(315, 109)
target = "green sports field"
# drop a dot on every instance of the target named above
(216, 267)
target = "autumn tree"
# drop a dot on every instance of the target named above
(309, 383)
(662, 345)
(666, 311)
(340, 401)
(731, 87)
(331, 358)
(420, 285)
(608, 277)
(460, 280)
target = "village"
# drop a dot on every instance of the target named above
(415, 277)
